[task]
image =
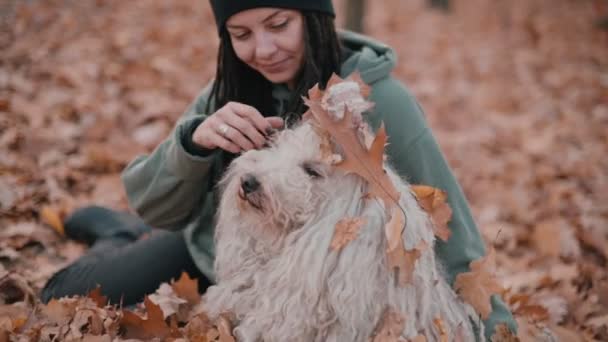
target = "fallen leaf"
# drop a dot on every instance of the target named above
(502, 333)
(145, 328)
(53, 219)
(347, 229)
(99, 299)
(167, 300)
(187, 288)
(225, 330)
(434, 202)
(478, 285)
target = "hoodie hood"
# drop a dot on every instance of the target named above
(374, 60)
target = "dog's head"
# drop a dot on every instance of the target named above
(280, 187)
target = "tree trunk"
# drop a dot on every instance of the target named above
(354, 15)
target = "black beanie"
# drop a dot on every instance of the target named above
(224, 9)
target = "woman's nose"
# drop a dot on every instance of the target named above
(265, 46)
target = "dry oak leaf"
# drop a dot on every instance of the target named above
(167, 300)
(187, 288)
(99, 299)
(477, 286)
(145, 328)
(502, 333)
(347, 229)
(358, 159)
(405, 261)
(434, 202)
(390, 327)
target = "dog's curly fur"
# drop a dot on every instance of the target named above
(278, 275)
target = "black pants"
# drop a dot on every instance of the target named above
(126, 270)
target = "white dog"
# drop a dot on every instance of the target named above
(280, 279)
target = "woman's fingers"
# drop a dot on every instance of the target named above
(224, 143)
(250, 113)
(237, 137)
(246, 129)
(275, 122)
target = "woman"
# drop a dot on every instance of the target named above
(271, 52)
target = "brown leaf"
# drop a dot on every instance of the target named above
(99, 299)
(187, 288)
(502, 333)
(225, 329)
(60, 311)
(477, 286)
(346, 231)
(390, 327)
(152, 326)
(443, 335)
(434, 202)
(405, 261)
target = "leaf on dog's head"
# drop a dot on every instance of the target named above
(434, 202)
(477, 286)
(405, 261)
(389, 328)
(347, 229)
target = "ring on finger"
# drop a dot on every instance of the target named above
(223, 129)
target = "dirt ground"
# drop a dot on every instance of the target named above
(516, 93)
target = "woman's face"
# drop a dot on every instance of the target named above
(269, 40)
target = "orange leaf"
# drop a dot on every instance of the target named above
(187, 288)
(394, 229)
(98, 298)
(443, 335)
(346, 231)
(390, 327)
(434, 202)
(140, 328)
(53, 218)
(477, 286)
(405, 261)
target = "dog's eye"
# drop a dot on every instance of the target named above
(311, 171)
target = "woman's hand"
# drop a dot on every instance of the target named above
(235, 127)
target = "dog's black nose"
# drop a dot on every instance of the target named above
(249, 183)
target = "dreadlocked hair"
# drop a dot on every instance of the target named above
(236, 81)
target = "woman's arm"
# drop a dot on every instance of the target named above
(415, 154)
(168, 186)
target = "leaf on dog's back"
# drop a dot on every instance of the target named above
(443, 335)
(347, 229)
(477, 286)
(434, 202)
(405, 261)
(389, 328)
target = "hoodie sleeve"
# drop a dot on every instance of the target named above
(168, 185)
(415, 154)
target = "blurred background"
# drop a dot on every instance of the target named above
(515, 91)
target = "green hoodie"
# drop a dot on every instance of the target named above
(169, 187)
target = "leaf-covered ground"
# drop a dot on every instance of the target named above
(516, 93)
